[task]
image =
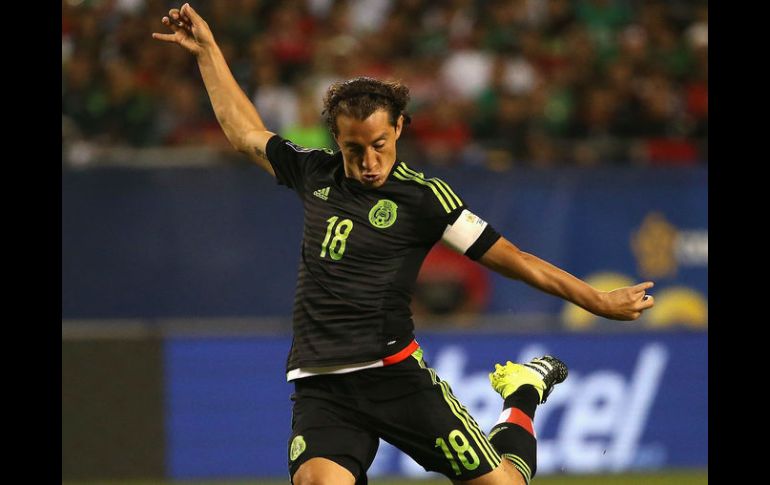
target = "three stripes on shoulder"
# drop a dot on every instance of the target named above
(443, 192)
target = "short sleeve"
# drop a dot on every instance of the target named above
(291, 162)
(451, 221)
(440, 207)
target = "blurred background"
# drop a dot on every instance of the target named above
(577, 128)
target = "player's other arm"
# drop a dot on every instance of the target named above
(626, 303)
(236, 114)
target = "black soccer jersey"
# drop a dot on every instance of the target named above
(361, 251)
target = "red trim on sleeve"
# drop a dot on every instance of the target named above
(402, 354)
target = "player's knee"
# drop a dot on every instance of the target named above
(308, 476)
(322, 472)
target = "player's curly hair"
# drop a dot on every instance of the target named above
(362, 96)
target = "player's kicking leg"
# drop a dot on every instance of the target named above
(523, 387)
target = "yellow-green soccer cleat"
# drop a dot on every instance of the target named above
(542, 373)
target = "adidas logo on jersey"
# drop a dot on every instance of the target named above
(322, 193)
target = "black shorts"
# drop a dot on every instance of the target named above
(341, 417)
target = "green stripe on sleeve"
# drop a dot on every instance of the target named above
(446, 194)
(435, 181)
(400, 171)
(459, 202)
(450, 195)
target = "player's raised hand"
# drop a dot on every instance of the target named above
(189, 29)
(629, 302)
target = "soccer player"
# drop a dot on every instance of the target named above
(369, 221)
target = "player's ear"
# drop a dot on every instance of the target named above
(399, 126)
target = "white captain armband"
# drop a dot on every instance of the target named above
(464, 232)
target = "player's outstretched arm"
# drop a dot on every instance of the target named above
(236, 114)
(625, 303)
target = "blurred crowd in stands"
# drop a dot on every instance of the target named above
(498, 83)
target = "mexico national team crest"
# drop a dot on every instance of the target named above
(297, 447)
(383, 214)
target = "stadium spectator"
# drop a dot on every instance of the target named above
(278, 103)
(583, 67)
(441, 132)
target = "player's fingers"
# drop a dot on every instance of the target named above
(169, 22)
(647, 302)
(164, 37)
(644, 286)
(190, 13)
(175, 25)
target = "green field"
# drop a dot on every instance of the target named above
(697, 477)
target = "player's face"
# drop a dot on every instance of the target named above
(368, 146)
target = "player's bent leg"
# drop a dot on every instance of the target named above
(523, 387)
(321, 471)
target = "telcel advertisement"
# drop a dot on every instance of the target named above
(632, 401)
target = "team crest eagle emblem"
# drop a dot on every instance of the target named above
(383, 214)
(297, 447)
